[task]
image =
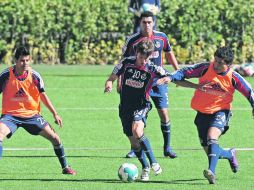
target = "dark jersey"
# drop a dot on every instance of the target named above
(136, 82)
(161, 44)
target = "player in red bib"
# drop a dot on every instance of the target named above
(22, 90)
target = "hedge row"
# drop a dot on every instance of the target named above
(93, 31)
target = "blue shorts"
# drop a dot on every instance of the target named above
(33, 125)
(127, 117)
(159, 95)
(219, 120)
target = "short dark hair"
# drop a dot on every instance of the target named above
(21, 51)
(147, 14)
(225, 53)
(145, 47)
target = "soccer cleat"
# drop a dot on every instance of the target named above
(68, 170)
(145, 174)
(209, 175)
(131, 154)
(168, 152)
(156, 168)
(233, 161)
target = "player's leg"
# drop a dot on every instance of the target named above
(4, 131)
(36, 125)
(48, 133)
(159, 95)
(140, 154)
(7, 127)
(138, 132)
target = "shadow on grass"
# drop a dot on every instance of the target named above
(183, 181)
(53, 156)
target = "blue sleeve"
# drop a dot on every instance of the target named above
(4, 77)
(243, 87)
(194, 71)
(38, 81)
(158, 4)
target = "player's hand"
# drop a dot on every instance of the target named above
(58, 120)
(137, 13)
(164, 80)
(154, 9)
(108, 86)
(205, 87)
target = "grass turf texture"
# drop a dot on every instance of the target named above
(91, 123)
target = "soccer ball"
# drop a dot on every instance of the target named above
(146, 7)
(128, 172)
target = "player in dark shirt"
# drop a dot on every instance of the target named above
(137, 75)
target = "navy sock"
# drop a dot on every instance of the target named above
(213, 154)
(141, 157)
(165, 129)
(145, 145)
(59, 151)
(225, 154)
(1, 149)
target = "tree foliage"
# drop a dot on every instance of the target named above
(93, 31)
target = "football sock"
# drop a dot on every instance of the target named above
(145, 145)
(59, 151)
(165, 129)
(225, 154)
(1, 149)
(141, 157)
(213, 154)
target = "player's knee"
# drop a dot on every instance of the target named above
(4, 131)
(212, 141)
(137, 131)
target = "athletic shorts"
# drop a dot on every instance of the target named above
(219, 120)
(159, 95)
(127, 117)
(33, 125)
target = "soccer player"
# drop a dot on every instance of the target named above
(212, 100)
(22, 90)
(139, 6)
(137, 75)
(159, 94)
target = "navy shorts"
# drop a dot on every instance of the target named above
(127, 117)
(159, 95)
(33, 125)
(219, 120)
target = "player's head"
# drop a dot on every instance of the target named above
(224, 55)
(145, 47)
(144, 50)
(147, 22)
(20, 52)
(22, 58)
(223, 58)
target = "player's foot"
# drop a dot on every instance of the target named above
(168, 152)
(156, 168)
(145, 174)
(131, 154)
(233, 161)
(69, 171)
(209, 175)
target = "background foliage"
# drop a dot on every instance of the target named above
(93, 31)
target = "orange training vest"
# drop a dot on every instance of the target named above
(20, 98)
(221, 95)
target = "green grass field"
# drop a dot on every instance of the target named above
(95, 145)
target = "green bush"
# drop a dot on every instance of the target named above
(93, 32)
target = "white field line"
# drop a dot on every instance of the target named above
(115, 108)
(110, 149)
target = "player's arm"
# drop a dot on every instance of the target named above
(46, 101)
(4, 77)
(244, 88)
(109, 82)
(170, 57)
